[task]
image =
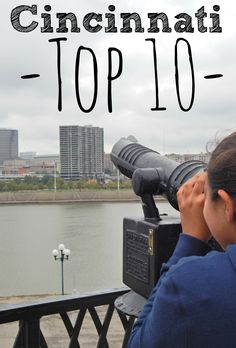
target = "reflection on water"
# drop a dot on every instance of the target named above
(93, 232)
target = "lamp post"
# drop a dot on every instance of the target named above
(55, 177)
(118, 180)
(61, 254)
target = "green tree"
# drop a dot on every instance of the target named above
(60, 183)
(45, 179)
(50, 183)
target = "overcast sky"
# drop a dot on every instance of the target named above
(31, 105)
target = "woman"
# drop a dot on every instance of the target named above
(194, 302)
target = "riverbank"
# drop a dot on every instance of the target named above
(73, 196)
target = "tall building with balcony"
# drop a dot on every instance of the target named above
(81, 152)
(8, 144)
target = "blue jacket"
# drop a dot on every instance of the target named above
(194, 302)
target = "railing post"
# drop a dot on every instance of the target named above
(30, 333)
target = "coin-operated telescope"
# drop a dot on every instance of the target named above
(150, 241)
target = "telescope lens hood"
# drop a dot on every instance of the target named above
(179, 176)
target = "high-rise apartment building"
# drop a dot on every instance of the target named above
(8, 144)
(81, 152)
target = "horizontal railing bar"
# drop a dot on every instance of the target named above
(59, 304)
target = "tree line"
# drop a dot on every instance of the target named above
(34, 183)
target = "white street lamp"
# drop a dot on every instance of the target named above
(55, 252)
(61, 255)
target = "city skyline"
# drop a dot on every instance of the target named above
(130, 137)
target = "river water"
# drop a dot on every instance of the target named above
(93, 232)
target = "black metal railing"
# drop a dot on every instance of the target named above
(29, 315)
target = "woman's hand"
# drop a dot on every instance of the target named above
(191, 198)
